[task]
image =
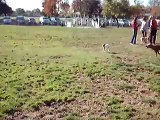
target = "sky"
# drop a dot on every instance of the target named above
(33, 4)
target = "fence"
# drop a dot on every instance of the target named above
(85, 22)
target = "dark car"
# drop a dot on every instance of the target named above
(31, 21)
(7, 20)
(56, 21)
(20, 20)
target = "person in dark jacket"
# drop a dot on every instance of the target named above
(135, 26)
(153, 30)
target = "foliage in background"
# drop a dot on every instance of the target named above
(4, 8)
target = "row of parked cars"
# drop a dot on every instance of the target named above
(21, 20)
(121, 22)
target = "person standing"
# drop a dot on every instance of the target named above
(135, 26)
(144, 28)
(153, 30)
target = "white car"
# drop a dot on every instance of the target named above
(121, 22)
(45, 20)
(112, 22)
(7, 20)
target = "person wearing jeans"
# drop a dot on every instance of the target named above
(153, 31)
(135, 29)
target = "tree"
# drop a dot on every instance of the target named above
(4, 8)
(77, 6)
(155, 11)
(138, 2)
(28, 13)
(50, 7)
(64, 6)
(116, 8)
(154, 3)
(36, 12)
(151, 3)
(113, 8)
(135, 10)
(155, 7)
(90, 7)
(20, 11)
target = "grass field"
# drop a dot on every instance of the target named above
(60, 73)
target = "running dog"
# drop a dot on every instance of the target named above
(156, 48)
(106, 47)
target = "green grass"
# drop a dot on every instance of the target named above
(42, 65)
(117, 110)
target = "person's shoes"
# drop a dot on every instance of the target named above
(131, 44)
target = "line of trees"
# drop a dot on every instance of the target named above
(114, 8)
(89, 8)
(20, 11)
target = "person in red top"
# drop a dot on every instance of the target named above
(135, 26)
(153, 30)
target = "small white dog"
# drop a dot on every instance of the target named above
(106, 47)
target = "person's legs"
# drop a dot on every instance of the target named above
(151, 36)
(133, 37)
(154, 34)
(135, 33)
(143, 33)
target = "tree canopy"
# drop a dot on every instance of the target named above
(55, 7)
(87, 7)
(4, 8)
(19, 11)
(113, 8)
(50, 7)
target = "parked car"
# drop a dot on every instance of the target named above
(20, 20)
(129, 22)
(31, 21)
(57, 21)
(112, 22)
(121, 22)
(7, 20)
(45, 20)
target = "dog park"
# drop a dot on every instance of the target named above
(79, 60)
(55, 73)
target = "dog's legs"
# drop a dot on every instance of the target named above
(156, 53)
(145, 40)
(141, 40)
